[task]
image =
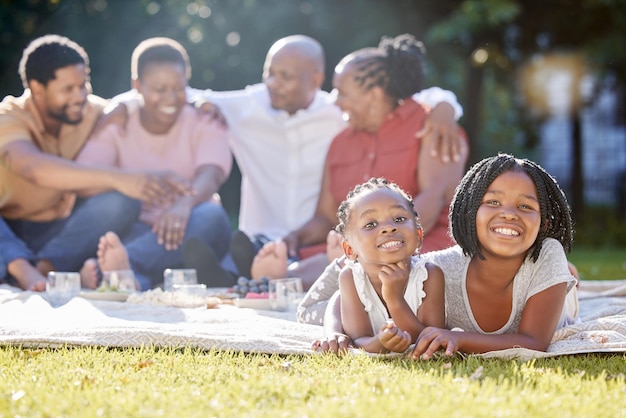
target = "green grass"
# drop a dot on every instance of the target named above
(599, 263)
(90, 382)
(148, 382)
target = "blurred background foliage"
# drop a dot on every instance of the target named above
(480, 49)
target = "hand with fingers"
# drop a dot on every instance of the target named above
(442, 135)
(291, 241)
(336, 343)
(211, 111)
(393, 338)
(433, 339)
(171, 226)
(154, 188)
(394, 278)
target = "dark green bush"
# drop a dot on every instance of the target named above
(599, 226)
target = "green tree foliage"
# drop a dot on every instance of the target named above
(475, 47)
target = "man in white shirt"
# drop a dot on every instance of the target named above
(280, 132)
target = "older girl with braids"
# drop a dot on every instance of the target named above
(507, 282)
(374, 87)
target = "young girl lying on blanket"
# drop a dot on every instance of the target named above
(507, 282)
(388, 294)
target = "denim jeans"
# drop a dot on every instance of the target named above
(68, 242)
(208, 222)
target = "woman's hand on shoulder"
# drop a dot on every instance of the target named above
(211, 111)
(441, 134)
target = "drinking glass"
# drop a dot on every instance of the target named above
(178, 276)
(61, 286)
(285, 294)
(119, 280)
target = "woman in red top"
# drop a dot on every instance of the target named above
(374, 88)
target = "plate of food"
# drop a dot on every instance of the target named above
(254, 301)
(105, 295)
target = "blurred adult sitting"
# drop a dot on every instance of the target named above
(280, 131)
(167, 133)
(374, 88)
(46, 224)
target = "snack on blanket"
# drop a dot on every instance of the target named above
(247, 286)
(159, 297)
(117, 281)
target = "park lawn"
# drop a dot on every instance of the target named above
(599, 263)
(184, 382)
(149, 382)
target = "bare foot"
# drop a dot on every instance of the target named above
(89, 274)
(27, 276)
(44, 267)
(112, 254)
(270, 261)
(333, 245)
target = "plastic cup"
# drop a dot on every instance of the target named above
(61, 286)
(285, 294)
(178, 276)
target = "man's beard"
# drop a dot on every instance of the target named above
(63, 118)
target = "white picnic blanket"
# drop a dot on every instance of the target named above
(28, 320)
(601, 325)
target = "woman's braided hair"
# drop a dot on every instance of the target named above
(396, 66)
(556, 220)
(343, 212)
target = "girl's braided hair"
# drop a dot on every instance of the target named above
(343, 212)
(556, 220)
(396, 66)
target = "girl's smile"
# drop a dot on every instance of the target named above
(508, 218)
(381, 229)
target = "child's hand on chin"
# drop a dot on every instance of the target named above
(393, 338)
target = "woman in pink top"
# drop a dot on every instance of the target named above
(374, 88)
(168, 134)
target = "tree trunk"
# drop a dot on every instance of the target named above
(473, 112)
(578, 181)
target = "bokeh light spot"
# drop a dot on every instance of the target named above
(204, 12)
(153, 8)
(233, 39)
(480, 56)
(195, 35)
(193, 8)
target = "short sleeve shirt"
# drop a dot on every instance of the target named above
(20, 121)
(533, 277)
(193, 141)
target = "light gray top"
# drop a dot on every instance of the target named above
(550, 269)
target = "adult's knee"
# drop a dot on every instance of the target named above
(113, 209)
(210, 223)
(115, 204)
